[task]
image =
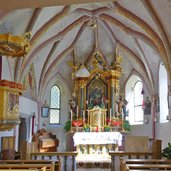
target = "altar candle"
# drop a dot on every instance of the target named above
(110, 113)
(97, 129)
(77, 112)
(83, 115)
(71, 115)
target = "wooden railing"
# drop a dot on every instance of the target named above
(122, 154)
(63, 157)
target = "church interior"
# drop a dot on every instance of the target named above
(84, 80)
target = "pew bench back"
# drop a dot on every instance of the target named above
(130, 167)
(30, 164)
(142, 161)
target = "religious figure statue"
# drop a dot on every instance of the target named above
(122, 106)
(73, 107)
(147, 106)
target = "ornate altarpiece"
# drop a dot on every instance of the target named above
(99, 91)
(97, 96)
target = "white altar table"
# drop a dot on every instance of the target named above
(97, 142)
(89, 138)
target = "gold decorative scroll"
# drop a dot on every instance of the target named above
(14, 46)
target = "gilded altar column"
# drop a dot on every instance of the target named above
(81, 75)
(114, 90)
(82, 96)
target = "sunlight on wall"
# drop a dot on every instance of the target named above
(163, 93)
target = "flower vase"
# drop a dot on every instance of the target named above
(106, 129)
(116, 128)
(77, 128)
(87, 129)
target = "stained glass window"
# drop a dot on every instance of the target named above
(55, 103)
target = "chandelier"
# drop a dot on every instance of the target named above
(14, 46)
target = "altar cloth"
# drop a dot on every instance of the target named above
(97, 138)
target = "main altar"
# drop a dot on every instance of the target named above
(97, 142)
(97, 107)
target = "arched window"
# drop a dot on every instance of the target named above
(163, 91)
(55, 103)
(135, 100)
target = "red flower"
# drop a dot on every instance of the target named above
(116, 123)
(108, 120)
(77, 123)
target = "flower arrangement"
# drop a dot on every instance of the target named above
(67, 126)
(126, 125)
(116, 122)
(77, 122)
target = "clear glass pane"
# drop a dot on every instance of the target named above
(55, 97)
(54, 116)
(138, 114)
(138, 95)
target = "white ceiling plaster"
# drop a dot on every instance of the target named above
(18, 21)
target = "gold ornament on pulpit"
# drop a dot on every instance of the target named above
(14, 46)
(9, 102)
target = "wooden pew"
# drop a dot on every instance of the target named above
(58, 155)
(44, 167)
(140, 167)
(123, 154)
(36, 164)
(125, 162)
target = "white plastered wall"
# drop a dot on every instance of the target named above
(58, 130)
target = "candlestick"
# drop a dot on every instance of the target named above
(77, 112)
(71, 115)
(110, 113)
(83, 115)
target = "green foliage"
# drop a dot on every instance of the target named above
(86, 127)
(67, 126)
(106, 128)
(126, 125)
(166, 152)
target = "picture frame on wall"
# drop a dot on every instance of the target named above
(45, 112)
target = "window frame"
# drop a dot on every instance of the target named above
(52, 108)
(130, 97)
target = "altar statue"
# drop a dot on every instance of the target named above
(73, 107)
(122, 106)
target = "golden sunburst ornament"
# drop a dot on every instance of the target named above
(14, 46)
